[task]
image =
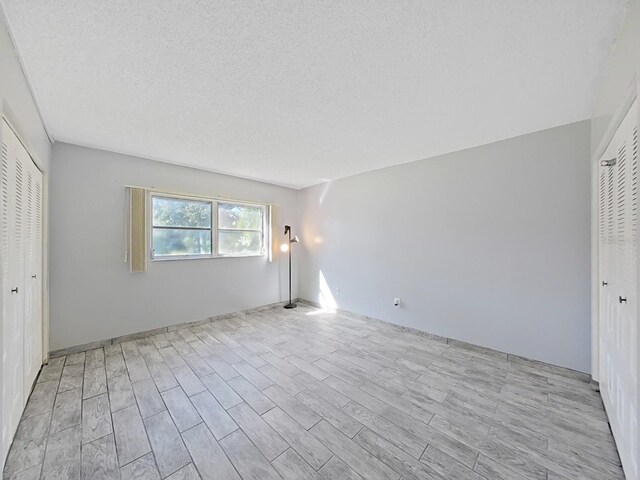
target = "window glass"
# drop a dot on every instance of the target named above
(179, 212)
(171, 242)
(234, 242)
(241, 217)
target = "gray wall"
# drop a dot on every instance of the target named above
(488, 245)
(18, 104)
(93, 294)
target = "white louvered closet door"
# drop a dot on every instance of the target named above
(21, 251)
(12, 286)
(32, 273)
(618, 233)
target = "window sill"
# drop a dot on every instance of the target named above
(208, 257)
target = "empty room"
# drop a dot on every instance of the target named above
(319, 240)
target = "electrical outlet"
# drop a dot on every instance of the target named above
(337, 290)
(396, 301)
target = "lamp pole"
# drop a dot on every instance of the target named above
(287, 230)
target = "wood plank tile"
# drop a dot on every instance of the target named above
(179, 344)
(213, 414)
(458, 450)
(120, 392)
(494, 470)
(96, 418)
(51, 371)
(29, 444)
(198, 365)
(336, 468)
(323, 391)
(130, 435)
(94, 359)
(250, 394)
(285, 367)
(282, 380)
(32, 473)
(72, 377)
(250, 358)
(207, 455)
(395, 458)
(340, 373)
(224, 394)
(185, 473)
(307, 367)
(499, 451)
(423, 410)
(148, 398)
(188, 380)
(163, 376)
(171, 357)
(182, 412)
(351, 453)
(144, 468)
(75, 359)
(95, 382)
(115, 366)
(448, 466)
(332, 414)
(297, 410)
(256, 378)
(200, 347)
(99, 459)
(150, 354)
(112, 350)
(42, 399)
(305, 444)
(268, 441)
(62, 458)
(136, 365)
(67, 410)
(246, 458)
(355, 394)
(463, 425)
(166, 443)
(402, 439)
(292, 466)
(161, 341)
(222, 368)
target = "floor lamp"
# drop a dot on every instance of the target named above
(287, 230)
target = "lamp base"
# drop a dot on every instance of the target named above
(290, 305)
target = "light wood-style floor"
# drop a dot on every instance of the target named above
(299, 394)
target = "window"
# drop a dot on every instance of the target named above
(240, 229)
(185, 227)
(181, 227)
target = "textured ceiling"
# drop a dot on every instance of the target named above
(299, 92)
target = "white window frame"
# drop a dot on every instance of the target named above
(214, 226)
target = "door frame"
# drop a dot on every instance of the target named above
(633, 93)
